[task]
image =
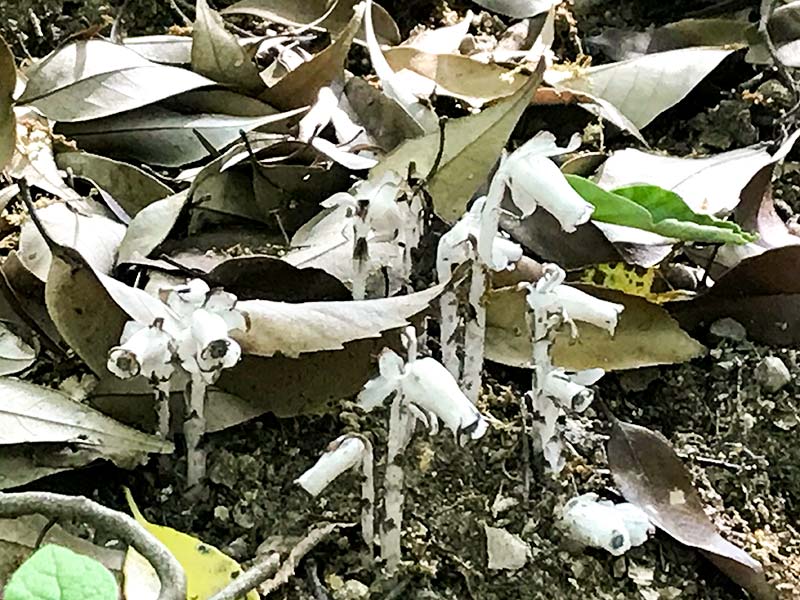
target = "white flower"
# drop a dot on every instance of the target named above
(205, 348)
(603, 524)
(570, 388)
(535, 180)
(574, 304)
(430, 390)
(143, 350)
(455, 249)
(184, 299)
(343, 454)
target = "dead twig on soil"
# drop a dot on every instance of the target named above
(264, 569)
(58, 506)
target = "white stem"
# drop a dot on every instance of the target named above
(368, 497)
(400, 428)
(448, 331)
(193, 429)
(162, 389)
(475, 333)
(359, 280)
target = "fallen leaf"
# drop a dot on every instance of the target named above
(709, 185)
(518, 9)
(131, 187)
(290, 12)
(441, 40)
(761, 293)
(207, 569)
(299, 88)
(218, 55)
(268, 278)
(18, 539)
(165, 49)
(66, 434)
(756, 212)
(34, 161)
(69, 576)
(654, 209)
(95, 237)
(161, 137)
(8, 121)
(15, 354)
(94, 78)
(472, 146)
(646, 335)
(458, 76)
(623, 44)
(382, 118)
(223, 102)
(294, 329)
(651, 476)
(642, 88)
(783, 30)
(647, 283)
(150, 227)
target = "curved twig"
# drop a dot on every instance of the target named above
(169, 571)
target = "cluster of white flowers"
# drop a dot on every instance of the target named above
(386, 210)
(196, 337)
(190, 344)
(554, 391)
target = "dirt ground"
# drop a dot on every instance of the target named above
(739, 441)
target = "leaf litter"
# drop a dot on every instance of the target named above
(118, 120)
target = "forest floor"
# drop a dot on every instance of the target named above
(739, 440)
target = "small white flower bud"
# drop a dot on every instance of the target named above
(343, 454)
(184, 299)
(429, 385)
(584, 307)
(572, 395)
(145, 351)
(602, 524)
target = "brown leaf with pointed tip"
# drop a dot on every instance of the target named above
(651, 476)
(299, 88)
(756, 212)
(761, 292)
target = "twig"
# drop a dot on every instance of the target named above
(767, 8)
(186, 20)
(265, 568)
(116, 27)
(58, 506)
(317, 587)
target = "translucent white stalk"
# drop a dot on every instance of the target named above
(162, 391)
(448, 330)
(401, 425)
(345, 453)
(194, 427)
(475, 333)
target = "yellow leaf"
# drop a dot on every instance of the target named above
(632, 280)
(207, 569)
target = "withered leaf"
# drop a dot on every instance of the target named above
(651, 476)
(8, 122)
(762, 293)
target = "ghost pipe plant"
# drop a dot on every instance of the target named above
(346, 452)
(193, 347)
(382, 211)
(424, 390)
(460, 245)
(533, 180)
(551, 305)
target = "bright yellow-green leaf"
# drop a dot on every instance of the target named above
(631, 279)
(207, 569)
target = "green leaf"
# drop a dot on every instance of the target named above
(660, 211)
(56, 573)
(8, 123)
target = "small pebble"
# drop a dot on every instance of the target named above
(728, 329)
(772, 374)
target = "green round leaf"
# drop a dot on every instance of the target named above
(57, 573)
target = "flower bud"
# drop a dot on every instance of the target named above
(343, 454)
(145, 351)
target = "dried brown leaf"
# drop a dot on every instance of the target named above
(651, 476)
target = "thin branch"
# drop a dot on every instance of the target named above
(266, 567)
(58, 506)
